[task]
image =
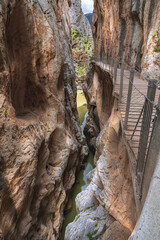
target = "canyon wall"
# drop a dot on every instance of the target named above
(40, 138)
(78, 19)
(106, 209)
(129, 29)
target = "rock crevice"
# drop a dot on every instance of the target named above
(106, 209)
(41, 145)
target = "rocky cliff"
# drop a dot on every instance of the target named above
(78, 19)
(131, 30)
(40, 138)
(82, 48)
(106, 209)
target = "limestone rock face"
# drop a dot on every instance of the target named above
(109, 188)
(116, 231)
(89, 222)
(98, 92)
(78, 19)
(40, 138)
(131, 30)
(128, 29)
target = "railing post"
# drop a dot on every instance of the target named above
(146, 121)
(129, 97)
(121, 82)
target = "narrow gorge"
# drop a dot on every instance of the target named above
(66, 170)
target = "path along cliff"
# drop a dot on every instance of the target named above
(41, 145)
(106, 209)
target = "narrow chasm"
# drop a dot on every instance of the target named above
(72, 98)
(101, 204)
(41, 146)
(70, 211)
(82, 49)
(104, 205)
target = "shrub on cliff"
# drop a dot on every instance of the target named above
(82, 48)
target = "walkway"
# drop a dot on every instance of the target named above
(137, 108)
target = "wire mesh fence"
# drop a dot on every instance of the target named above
(138, 106)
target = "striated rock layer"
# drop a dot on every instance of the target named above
(40, 138)
(129, 29)
(78, 19)
(106, 209)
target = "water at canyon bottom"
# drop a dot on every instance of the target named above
(81, 180)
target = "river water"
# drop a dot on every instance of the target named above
(81, 180)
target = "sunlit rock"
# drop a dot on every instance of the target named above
(78, 19)
(41, 144)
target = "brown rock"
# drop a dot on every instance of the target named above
(40, 137)
(126, 29)
(116, 231)
(69, 2)
(113, 190)
(100, 102)
(78, 19)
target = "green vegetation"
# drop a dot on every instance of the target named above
(80, 69)
(77, 218)
(82, 47)
(91, 206)
(104, 205)
(6, 113)
(103, 14)
(82, 42)
(71, 215)
(95, 231)
(82, 110)
(81, 101)
(90, 235)
(156, 39)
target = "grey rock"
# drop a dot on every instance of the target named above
(78, 19)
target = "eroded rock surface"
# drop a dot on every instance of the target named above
(128, 29)
(78, 19)
(109, 184)
(98, 92)
(41, 144)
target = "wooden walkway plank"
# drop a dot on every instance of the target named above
(136, 105)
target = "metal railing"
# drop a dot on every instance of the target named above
(130, 97)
